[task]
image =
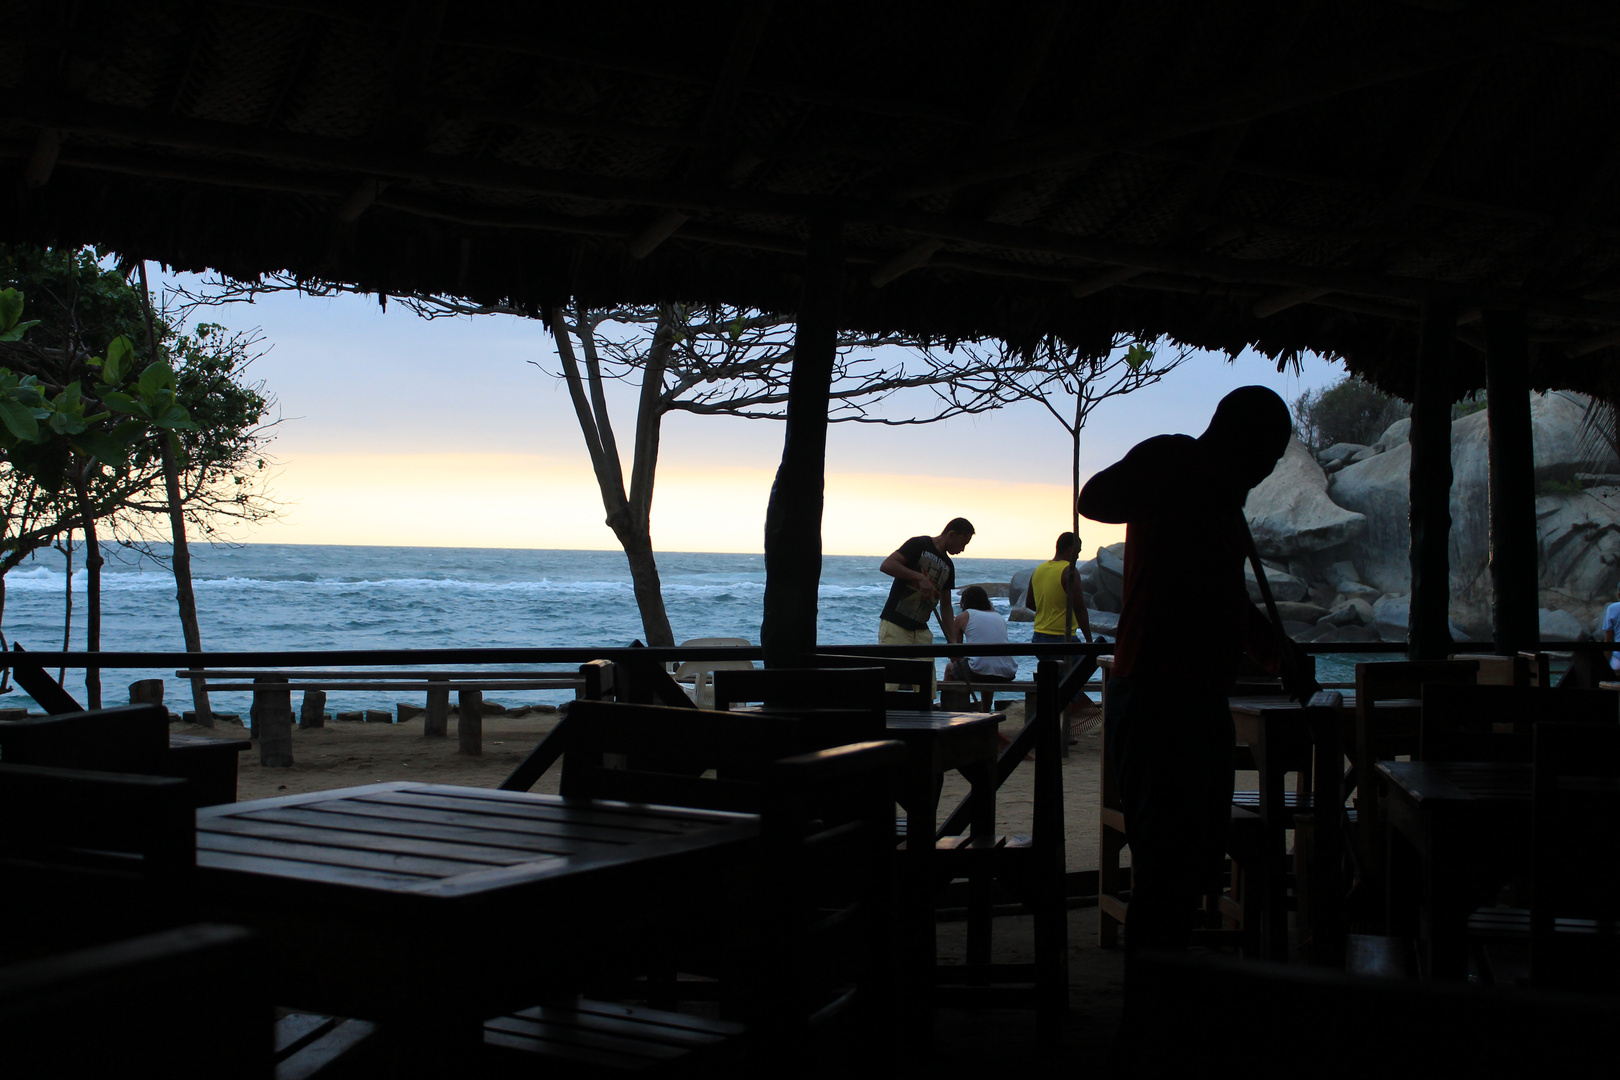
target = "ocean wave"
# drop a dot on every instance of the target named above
(43, 580)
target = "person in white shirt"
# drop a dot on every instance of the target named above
(1611, 623)
(978, 624)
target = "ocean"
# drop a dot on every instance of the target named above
(283, 596)
(286, 596)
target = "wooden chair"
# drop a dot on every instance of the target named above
(821, 942)
(1497, 722)
(599, 676)
(699, 672)
(1388, 718)
(89, 857)
(803, 688)
(127, 1008)
(125, 739)
(898, 672)
(1575, 905)
(1571, 929)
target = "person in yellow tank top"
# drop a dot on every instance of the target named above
(1056, 597)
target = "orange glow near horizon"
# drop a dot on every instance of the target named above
(447, 499)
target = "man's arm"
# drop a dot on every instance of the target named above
(1157, 479)
(897, 567)
(1077, 600)
(947, 620)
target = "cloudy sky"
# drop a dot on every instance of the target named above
(399, 430)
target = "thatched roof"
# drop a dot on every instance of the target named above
(1300, 177)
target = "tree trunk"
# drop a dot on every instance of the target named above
(793, 515)
(67, 613)
(92, 584)
(638, 550)
(1074, 461)
(182, 575)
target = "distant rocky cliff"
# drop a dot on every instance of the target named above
(1333, 531)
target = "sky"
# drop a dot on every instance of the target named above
(452, 433)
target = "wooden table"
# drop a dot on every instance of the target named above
(409, 901)
(1456, 823)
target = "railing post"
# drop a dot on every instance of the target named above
(313, 712)
(272, 711)
(435, 724)
(470, 722)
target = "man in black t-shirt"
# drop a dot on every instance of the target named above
(924, 576)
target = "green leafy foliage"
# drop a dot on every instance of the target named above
(86, 409)
(1349, 411)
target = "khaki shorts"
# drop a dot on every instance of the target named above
(890, 634)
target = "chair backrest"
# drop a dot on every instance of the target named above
(699, 672)
(598, 676)
(1388, 732)
(898, 671)
(828, 831)
(91, 856)
(1495, 670)
(123, 739)
(1497, 723)
(1575, 833)
(801, 688)
(687, 757)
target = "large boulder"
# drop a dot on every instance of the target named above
(1110, 577)
(1285, 587)
(1290, 512)
(1560, 626)
(1577, 531)
(1018, 587)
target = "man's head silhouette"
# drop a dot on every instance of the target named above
(1249, 431)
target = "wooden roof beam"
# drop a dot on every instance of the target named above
(1023, 69)
(1313, 80)
(1447, 114)
(130, 124)
(739, 55)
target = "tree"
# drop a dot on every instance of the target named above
(92, 439)
(708, 361)
(1055, 371)
(1349, 411)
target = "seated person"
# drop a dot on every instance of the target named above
(980, 625)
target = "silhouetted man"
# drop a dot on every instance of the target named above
(1185, 621)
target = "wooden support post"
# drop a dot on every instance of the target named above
(793, 518)
(1428, 632)
(1515, 620)
(436, 724)
(272, 709)
(1051, 927)
(146, 692)
(313, 712)
(470, 722)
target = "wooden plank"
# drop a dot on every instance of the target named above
(236, 862)
(643, 820)
(331, 834)
(495, 685)
(310, 851)
(538, 832)
(1429, 635)
(382, 823)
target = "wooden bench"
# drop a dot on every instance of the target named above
(271, 718)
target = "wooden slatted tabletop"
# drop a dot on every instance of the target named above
(382, 898)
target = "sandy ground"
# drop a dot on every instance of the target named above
(343, 754)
